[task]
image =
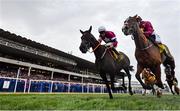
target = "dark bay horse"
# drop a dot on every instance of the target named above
(104, 61)
(146, 53)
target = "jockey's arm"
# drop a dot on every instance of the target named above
(110, 44)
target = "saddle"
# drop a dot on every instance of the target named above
(162, 48)
(117, 56)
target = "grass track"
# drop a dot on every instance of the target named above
(87, 102)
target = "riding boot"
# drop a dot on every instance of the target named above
(152, 39)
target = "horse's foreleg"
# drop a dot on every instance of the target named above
(157, 72)
(103, 76)
(112, 81)
(129, 77)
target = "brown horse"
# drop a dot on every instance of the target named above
(147, 54)
(105, 63)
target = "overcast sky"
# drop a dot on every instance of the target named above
(56, 23)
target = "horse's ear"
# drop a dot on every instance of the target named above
(81, 31)
(136, 16)
(90, 29)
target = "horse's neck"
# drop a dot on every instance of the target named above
(99, 52)
(140, 39)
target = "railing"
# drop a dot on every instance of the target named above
(7, 84)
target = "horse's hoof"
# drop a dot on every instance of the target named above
(159, 94)
(147, 87)
(177, 90)
(160, 86)
(131, 93)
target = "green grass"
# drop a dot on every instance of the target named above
(87, 102)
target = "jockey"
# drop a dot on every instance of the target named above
(150, 34)
(148, 30)
(108, 37)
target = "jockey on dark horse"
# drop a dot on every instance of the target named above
(149, 32)
(109, 38)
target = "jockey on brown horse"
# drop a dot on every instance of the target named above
(149, 32)
(147, 53)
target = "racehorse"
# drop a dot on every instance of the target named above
(147, 53)
(172, 81)
(104, 62)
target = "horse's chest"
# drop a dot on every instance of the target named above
(146, 58)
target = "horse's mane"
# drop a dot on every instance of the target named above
(140, 32)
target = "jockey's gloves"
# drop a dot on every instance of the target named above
(110, 44)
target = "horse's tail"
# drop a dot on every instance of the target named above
(131, 68)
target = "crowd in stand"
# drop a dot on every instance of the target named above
(41, 75)
(42, 81)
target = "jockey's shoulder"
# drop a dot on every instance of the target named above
(145, 22)
(110, 33)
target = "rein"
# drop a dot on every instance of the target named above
(146, 47)
(95, 47)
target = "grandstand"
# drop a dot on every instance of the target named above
(28, 66)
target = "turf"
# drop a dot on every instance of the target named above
(87, 102)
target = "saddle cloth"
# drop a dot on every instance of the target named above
(116, 57)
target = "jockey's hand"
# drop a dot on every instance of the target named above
(142, 30)
(109, 45)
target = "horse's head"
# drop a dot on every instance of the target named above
(87, 40)
(129, 25)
